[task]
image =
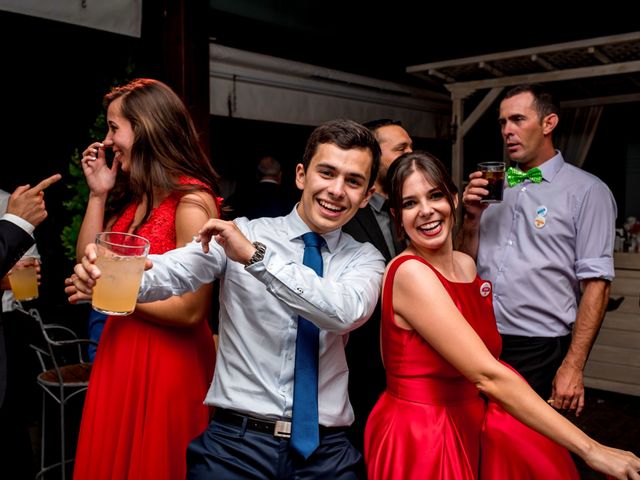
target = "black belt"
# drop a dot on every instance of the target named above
(277, 428)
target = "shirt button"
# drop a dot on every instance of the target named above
(524, 189)
(510, 242)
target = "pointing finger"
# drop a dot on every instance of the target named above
(46, 182)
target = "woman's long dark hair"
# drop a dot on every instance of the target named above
(432, 169)
(165, 145)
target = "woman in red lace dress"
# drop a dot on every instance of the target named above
(152, 368)
(440, 346)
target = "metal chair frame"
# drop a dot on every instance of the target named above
(56, 380)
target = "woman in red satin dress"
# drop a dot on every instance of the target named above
(152, 368)
(440, 347)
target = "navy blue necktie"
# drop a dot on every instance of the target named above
(305, 436)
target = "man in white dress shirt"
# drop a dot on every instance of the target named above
(264, 288)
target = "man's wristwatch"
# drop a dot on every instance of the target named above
(258, 256)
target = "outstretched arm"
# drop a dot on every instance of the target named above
(331, 303)
(421, 302)
(190, 308)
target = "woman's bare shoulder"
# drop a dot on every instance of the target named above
(466, 264)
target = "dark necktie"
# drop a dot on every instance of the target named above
(305, 436)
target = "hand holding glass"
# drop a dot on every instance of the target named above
(120, 258)
(493, 172)
(23, 278)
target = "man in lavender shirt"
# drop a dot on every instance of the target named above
(547, 249)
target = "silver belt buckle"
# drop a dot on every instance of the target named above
(282, 429)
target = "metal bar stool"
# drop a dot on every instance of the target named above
(59, 380)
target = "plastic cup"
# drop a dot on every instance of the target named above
(493, 172)
(120, 258)
(24, 279)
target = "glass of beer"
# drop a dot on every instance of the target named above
(121, 258)
(23, 278)
(493, 172)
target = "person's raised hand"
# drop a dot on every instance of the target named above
(236, 246)
(473, 193)
(28, 203)
(100, 177)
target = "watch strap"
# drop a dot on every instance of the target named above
(258, 255)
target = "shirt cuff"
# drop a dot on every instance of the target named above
(21, 222)
(595, 268)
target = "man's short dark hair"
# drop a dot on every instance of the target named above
(268, 166)
(347, 135)
(374, 125)
(543, 100)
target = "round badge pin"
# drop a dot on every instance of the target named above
(485, 289)
(539, 222)
(541, 211)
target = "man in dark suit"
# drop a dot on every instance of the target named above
(26, 210)
(373, 224)
(269, 198)
(266, 198)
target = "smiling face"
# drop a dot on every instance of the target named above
(334, 186)
(120, 135)
(427, 217)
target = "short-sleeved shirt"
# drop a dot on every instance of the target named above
(540, 242)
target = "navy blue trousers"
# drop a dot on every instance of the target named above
(235, 453)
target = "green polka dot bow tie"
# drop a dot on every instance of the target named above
(515, 176)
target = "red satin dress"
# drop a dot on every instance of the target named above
(432, 424)
(145, 399)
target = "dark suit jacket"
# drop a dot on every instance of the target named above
(268, 200)
(262, 199)
(364, 228)
(366, 372)
(14, 241)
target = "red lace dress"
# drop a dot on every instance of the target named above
(431, 423)
(145, 399)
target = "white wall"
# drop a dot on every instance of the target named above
(259, 87)
(117, 16)
(632, 174)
